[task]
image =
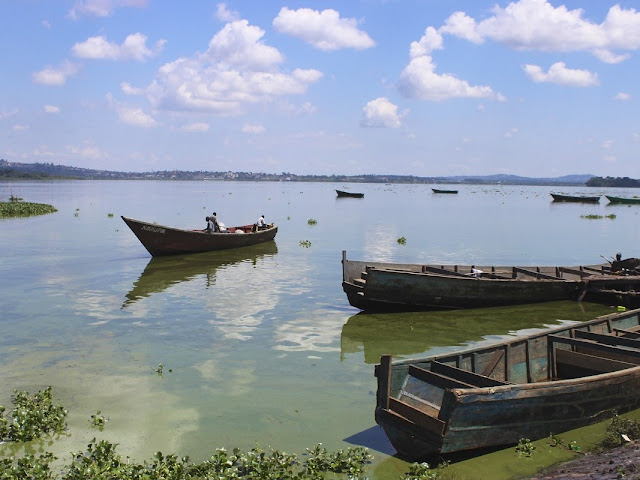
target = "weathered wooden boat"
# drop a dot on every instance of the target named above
(438, 190)
(161, 240)
(528, 387)
(381, 286)
(557, 197)
(622, 200)
(342, 193)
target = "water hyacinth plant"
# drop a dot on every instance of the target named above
(24, 209)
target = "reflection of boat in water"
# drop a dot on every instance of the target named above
(414, 333)
(163, 272)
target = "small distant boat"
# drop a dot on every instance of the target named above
(527, 387)
(160, 240)
(557, 197)
(438, 190)
(622, 200)
(342, 193)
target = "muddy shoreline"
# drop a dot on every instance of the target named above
(609, 464)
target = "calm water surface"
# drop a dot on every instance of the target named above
(259, 345)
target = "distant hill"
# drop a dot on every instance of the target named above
(16, 170)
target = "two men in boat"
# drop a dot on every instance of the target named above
(626, 265)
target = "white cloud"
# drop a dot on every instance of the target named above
(322, 29)
(430, 41)
(56, 76)
(381, 113)
(86, 151)
(606, 144)
(237, 69)
(51, 109)
(559, 74)
(135, 117)
(101, 8)
(127, 89)
(253, 129)
(20, 128)
(98, 48)
(226, 15)
(419, 80)
(511, 133)
(622, 96)
(195, 127)
(6, 114)
(538, 25)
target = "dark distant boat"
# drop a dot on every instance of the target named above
(384, 286)
(557, 197)
(528, 387)
(438, 190)
(621, 200)
(342, 193)
(160, 240)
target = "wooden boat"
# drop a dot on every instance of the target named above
(622, 200)
(342, 193)
(529, 387)
(380, 286)
(161, 240)
(438, 190)
(557, 197)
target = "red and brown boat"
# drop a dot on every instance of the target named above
(161, 240)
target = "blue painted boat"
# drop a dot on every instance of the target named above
(528, 387)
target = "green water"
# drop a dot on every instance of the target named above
(258, 345)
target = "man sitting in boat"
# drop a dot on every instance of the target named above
(212, 224)
(261, 225)
(626, 265)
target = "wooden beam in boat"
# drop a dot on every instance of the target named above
(572, 364)
(384, 381)
(417, 416)
(623, 332)
(465, 376)
(599, 349)
(573, 271)
(437, 379)
(609, 339)
(533, 273)
(493, 361)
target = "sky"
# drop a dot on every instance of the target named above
(533, 88)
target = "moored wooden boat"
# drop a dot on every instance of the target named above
(380, 286)
(161, 240)
(438, 190)
(557, 197)
(529, 387)
(342, 193)
(612, 199)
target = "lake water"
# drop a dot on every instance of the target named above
(258, 345)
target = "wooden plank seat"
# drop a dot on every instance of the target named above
(465, 376)
(428, 419)
(573, 271)
(597, 349)
(629, 333)
(570, 364)
(608, 339)
(456, 273)
(533, 273)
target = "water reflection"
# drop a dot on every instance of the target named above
(164, 272)
(412, 333)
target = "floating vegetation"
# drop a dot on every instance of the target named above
(32, 417)
(110, 215)
(305, 243)
(525, 448)
(312, 221)
(98, 420)
(402, 241)
(24, 209)
(422, 471)
(611, 216)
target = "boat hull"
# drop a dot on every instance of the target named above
(379, 286)
(620, 200)
(546, 383)
(576, 199)
(343, 194)
(160, 240)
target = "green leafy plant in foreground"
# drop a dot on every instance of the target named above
(525, 448)
(422, 471)
(618, 427)
(32, 417)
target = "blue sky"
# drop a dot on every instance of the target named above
(409, 87)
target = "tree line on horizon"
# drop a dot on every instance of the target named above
(613, 182)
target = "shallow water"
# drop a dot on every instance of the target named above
(258, 345)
